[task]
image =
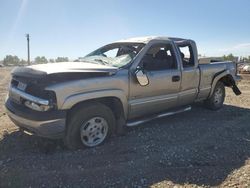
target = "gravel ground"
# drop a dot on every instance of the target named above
(199, 148)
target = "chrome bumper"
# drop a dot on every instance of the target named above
(16, 92)
(238, 79)
(51, 128)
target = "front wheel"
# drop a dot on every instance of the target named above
(89, 126)
(215, 102)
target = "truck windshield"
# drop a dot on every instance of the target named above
(116, 54)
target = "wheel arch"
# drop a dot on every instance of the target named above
(114, 99)
(225, 77)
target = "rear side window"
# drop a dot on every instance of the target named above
(159, 57)
(187, 55)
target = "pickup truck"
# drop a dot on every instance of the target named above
(122, 84)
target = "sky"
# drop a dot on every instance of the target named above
(73, 28)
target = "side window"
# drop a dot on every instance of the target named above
(159, 57)
(187, 56)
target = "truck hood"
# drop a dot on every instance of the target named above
(42, 70)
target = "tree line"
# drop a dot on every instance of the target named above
(231, 57)
(13, 60)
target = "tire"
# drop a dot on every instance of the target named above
(215, 102)
(89, 125)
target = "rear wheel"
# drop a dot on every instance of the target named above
(215, 102)
(89, 126)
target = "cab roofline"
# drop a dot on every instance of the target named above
(147, 39)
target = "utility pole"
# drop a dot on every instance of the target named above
(28, 47)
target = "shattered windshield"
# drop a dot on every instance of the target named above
(116, 55)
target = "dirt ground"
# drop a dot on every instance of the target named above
(199, 148)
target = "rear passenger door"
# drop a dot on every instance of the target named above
(160, 64)
(190, 73)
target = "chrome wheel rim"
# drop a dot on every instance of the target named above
(218, 95)
(94, 131)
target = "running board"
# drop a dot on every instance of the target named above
(140, 121)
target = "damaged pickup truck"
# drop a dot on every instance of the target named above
(121, 84)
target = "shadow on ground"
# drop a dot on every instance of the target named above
(199, 147)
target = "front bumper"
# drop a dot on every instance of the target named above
(49, 124)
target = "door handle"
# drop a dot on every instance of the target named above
(176, 78)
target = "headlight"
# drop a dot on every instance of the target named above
(37, 107)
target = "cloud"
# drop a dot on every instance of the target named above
(18, 19)
(243, 45)
(241, 49)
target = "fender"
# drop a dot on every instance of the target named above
(221, 75)
(71, 100)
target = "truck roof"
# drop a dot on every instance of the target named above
(147, 39)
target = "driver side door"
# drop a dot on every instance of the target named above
(161, 68)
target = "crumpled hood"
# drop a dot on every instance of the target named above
(42, 70)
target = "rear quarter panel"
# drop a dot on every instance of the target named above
(208, 72)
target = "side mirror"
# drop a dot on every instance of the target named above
(141, 77)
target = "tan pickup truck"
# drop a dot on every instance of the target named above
(121, 84)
